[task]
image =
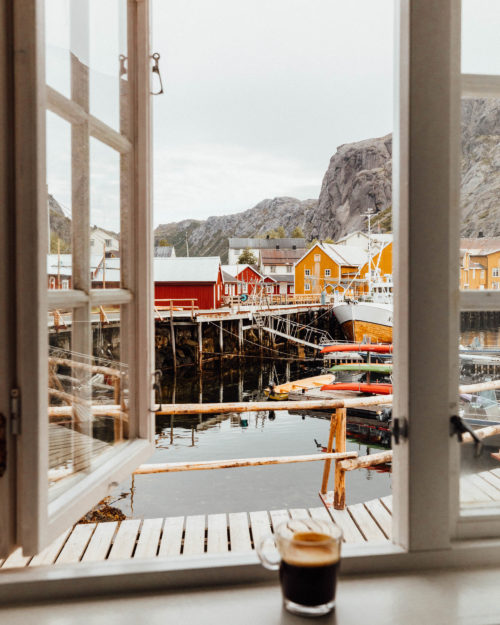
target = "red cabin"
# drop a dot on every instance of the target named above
(185, 279)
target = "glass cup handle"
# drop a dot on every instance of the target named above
(272, 565)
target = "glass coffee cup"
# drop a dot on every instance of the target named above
(307, 554)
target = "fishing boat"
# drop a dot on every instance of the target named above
(360, 387)
(368, 367)
(280, 392)
(361, 320)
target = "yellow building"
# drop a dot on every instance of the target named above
(381, 267)
(329, 266)
(480, 263)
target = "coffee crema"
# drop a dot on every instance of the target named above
(310, 549)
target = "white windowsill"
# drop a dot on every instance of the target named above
(441, 596)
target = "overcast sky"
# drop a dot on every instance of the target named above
(258, 95)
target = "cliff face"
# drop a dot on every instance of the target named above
(480, 199)
(359, 177)
(210, 237)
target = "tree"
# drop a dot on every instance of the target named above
(247, 257)
(297, 233)
(311, 243)
(328, 240)
(279, 233)
(64, 248)
(163, 243)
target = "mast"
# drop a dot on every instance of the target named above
(369, 213)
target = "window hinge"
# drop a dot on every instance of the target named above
(399, 429)
(15, 411)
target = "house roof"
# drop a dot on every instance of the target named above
(226, 277)
(234, 270)
(282, 277)
(345, 254)
(108, 269)
(280, 257)
(163, 251)
(187, 269)
(379, 237)
(65, 263)
(267, 244)
(482, 246)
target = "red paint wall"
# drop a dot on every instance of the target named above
(251, 277)
(208, 295)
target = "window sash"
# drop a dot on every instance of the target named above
(38, 521)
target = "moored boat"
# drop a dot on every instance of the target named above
(362, 320)
(360, 387)
(377, 348)
(368, 367)
(280, 392)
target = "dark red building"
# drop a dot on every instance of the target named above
(182, 279)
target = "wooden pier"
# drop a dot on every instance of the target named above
(362, 523)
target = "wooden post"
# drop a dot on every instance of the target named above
(172, 335)
(326, 469)
(221, 339)
(340, 445)
(240, 336)
(200, 345)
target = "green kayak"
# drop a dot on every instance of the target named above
(375, 368)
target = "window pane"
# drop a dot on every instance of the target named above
(57, 49)
(108, 58)
(480, 40)
(480, 407)
(104, 215)
(59, 260)
(88, 397)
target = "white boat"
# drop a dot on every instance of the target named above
(365, 320)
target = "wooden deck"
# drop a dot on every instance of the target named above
(368, 522)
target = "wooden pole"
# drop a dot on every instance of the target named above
(221, 339)
(328, 463)
(240, 336)
(200, 345)
(340, 445)
(169, 467)
(172, 335)
(366, 461)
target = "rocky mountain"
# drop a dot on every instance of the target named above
(210, 237)
(480, 201)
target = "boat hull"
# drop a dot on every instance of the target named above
(365, 320)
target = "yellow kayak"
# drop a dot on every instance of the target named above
(280, 391)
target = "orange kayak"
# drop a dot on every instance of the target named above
(358, 347)
(360, 387)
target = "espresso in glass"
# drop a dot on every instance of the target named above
(308, 569)
(308, 560)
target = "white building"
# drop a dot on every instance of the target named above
(103, 240)
(255, 245)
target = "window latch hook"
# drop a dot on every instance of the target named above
(157, 387)
(459, 427)
(156, 70)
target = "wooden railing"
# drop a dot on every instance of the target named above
(173, 305)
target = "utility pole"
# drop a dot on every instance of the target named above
(187, 244)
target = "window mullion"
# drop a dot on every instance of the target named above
(426, 196)
(81, 334)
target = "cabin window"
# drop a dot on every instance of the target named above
(317, 258)
(328, 273)
(495, 272)
(307, 272)
(289, 269)
(307, 286)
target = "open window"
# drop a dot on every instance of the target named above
(80, 408)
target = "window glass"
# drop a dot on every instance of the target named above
(480, 41)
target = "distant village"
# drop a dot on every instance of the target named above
(273, 270)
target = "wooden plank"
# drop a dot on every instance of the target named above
(50, 553)
(491, 493)
(171, 540)
(76, 544)
(124, 542)
(387, 502)
(194, 539)
(239, 532)
(370, 530)
(491, 479)
(260, 526)
(15, 560)
(381, 516)
(351, 532)
(100, 542)
(299, 513)
(320, 514)
(495, 472)
(469, 492)
(278, 517)
(217, 538)
(149, 538)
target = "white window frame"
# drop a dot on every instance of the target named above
(495, 272)
(427, 530)
(307, 286)
(307, 272)
(328, 273)
(37, 522)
